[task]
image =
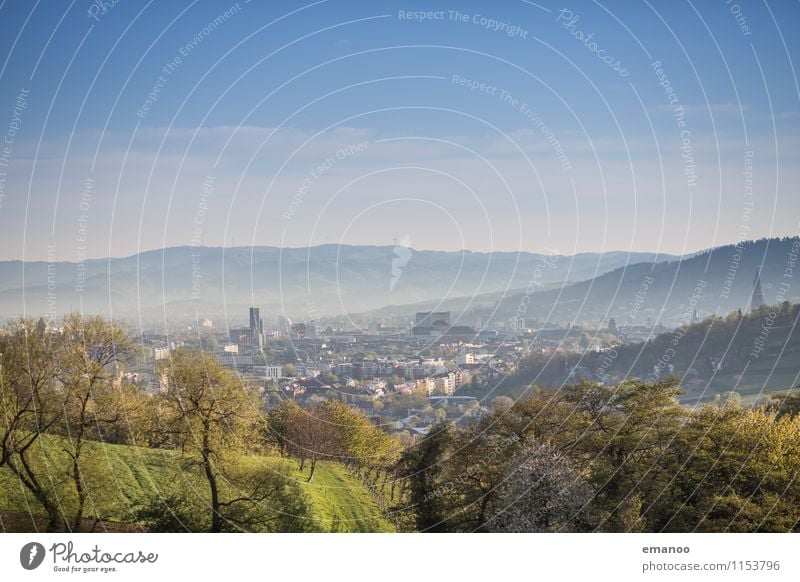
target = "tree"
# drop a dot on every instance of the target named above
(501, 404)
(312, 436)
(273, 502)
(362, 446)
(733, 470)
(89, 359)
(333, 430)
(211, 419)
(541, 493)
(625, 432)
(476, 382)
(787, 403)
(479, 465)
(30, 404)
(278, 426)
(423, 467)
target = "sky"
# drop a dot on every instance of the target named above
(506, 126)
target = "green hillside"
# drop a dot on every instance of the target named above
(127, 474)
(340, 503)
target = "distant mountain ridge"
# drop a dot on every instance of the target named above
(334, 280)
(305, 283)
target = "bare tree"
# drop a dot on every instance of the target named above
(313, 435)
(89, 358)
(30, 404)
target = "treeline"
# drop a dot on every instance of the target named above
(716, 344)
(62, 392)
(590, 457)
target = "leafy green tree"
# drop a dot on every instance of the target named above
(211, 419)
(270, 501)
(733, 470)
(476, 471)
(423, 466)
(370, 450)
(625, 432)
(278, 427)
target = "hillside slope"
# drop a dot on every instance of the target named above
(339, 502)
(750, 354)
(717, 281)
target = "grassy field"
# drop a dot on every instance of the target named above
(340, 503)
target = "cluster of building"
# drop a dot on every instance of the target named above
(433, 357)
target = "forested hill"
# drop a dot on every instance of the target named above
(744, 353)
(717, 281)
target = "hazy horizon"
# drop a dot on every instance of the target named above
(413, 248)
(507, 127)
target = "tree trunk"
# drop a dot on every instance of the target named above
(77, 474)
(81, 491)
(216, 520)
(211, 477)
(385, 479)
(28, 479)
(313, 468)
(80, 488)
(483, 507)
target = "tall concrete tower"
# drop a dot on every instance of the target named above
(256, 327)
(255, 317)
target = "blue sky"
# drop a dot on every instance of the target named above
(502, 127)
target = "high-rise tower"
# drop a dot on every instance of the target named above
(256, 327)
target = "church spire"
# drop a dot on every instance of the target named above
(757, 299)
